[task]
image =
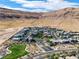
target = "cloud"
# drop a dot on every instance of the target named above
(5, 6)
(44, 6)
(23, 9)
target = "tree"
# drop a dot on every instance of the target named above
(55, 56)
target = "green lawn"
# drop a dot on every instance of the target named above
(18, 50)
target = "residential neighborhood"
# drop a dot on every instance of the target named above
(42, 42)
(51, 34)
(47, 39)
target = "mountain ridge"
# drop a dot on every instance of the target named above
(67, 19)
(64, 13)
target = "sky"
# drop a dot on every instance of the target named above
(38, 5)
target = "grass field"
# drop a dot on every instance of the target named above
(18, 50)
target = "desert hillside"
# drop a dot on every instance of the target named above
(67, 19)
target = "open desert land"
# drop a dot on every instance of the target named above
(68, 25)
(5, 34)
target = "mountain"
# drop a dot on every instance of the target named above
(72, 13)
(63, 13)
(9, 14)
(67, 19)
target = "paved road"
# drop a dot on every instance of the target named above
(53, 51)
